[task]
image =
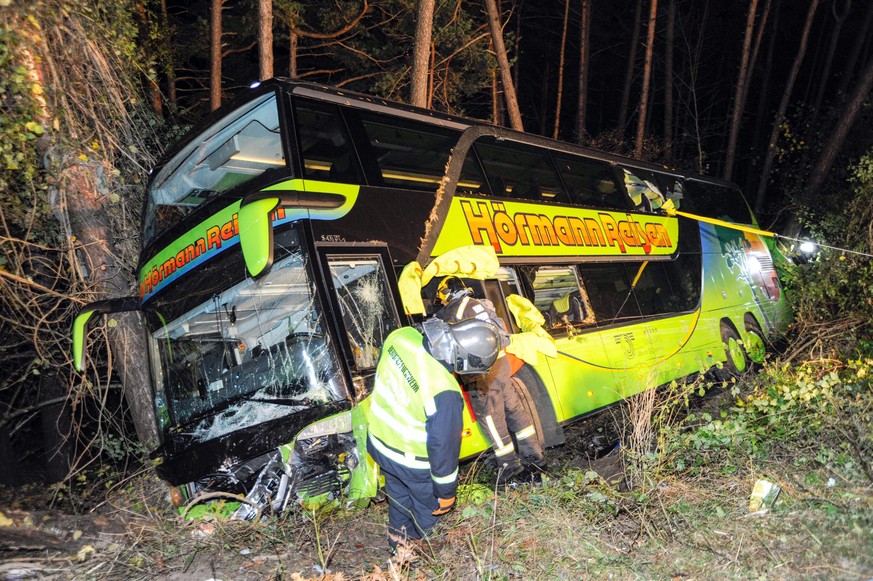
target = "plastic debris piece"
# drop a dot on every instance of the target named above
(764, 495)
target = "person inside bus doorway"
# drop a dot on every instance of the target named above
(492, 396)
(416, 418)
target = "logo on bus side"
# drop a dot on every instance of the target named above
(628, 340)
(194, 247)
(515, 228)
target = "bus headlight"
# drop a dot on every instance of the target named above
(337, 424)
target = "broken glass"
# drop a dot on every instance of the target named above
(255, 352)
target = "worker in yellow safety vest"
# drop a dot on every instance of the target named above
(416, 418)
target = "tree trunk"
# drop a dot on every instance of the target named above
(756, 49)
(585, 28)
(421, 53)
(824, 80)
(810, 194)
(631, 67)
(647, 80)
(215, 54)
(169, 66)
(668, 77)
(783, 107)
(150, 70)
(516, 70)
(503, 66)
(497, 108)
(130, 347)
(265, 39)
(560, 92)
(763, 96)
(85, 196)
(742, 81)
(293, 39)
(852, 60)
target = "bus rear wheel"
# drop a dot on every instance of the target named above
(737, 362)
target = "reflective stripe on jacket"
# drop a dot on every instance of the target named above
(408, 379)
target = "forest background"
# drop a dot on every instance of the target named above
(772, 94)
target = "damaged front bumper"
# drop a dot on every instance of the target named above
(326, 462)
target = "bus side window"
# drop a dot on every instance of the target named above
(366, 305)
(725, 202)
(642, 189)
(497, 290)
(652, 290)
(324, 146)
(610, 293)
(590, 182)
(520, 171)
(409, 154)
(560, 298)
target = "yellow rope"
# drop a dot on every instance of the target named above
(672, 211)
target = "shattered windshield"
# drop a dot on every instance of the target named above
(255, 352)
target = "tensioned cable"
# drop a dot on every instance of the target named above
(672, 211)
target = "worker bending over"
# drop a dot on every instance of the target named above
(492, 396)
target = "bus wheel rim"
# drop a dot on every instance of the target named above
(755, 347)
(735, 350)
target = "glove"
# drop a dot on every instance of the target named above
(446, 505)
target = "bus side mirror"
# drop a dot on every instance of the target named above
(84, 317)
(256, 232)
(256, 224)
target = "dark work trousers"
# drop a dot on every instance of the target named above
(499, 411)
(411, 500)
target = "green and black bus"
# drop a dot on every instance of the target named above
(273, 238)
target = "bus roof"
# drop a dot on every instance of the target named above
(327, 93)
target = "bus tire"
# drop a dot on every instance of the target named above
(737, 361)
(533, 393)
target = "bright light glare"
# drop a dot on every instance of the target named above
(807, 247)
(255, 85)
(753, 264)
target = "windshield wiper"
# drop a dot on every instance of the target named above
(286, 401)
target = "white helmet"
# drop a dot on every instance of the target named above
(469, 347)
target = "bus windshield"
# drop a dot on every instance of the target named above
(240, 147)
(256, 351)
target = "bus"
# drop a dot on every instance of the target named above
(274, 234)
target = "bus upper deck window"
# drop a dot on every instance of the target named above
(408, 154)
(324, 147)
(521, 171)
(238, 148)
(643, 189)
(590, 182)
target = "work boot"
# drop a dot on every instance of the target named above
(507, 471)
(526, 477)
(535, 464)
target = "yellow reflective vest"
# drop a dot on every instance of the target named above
(408, 379)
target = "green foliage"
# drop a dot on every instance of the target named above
(835, 289)
(825, 407)
(22, 184)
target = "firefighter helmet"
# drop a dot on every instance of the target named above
(450, 288)
(469, 347)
